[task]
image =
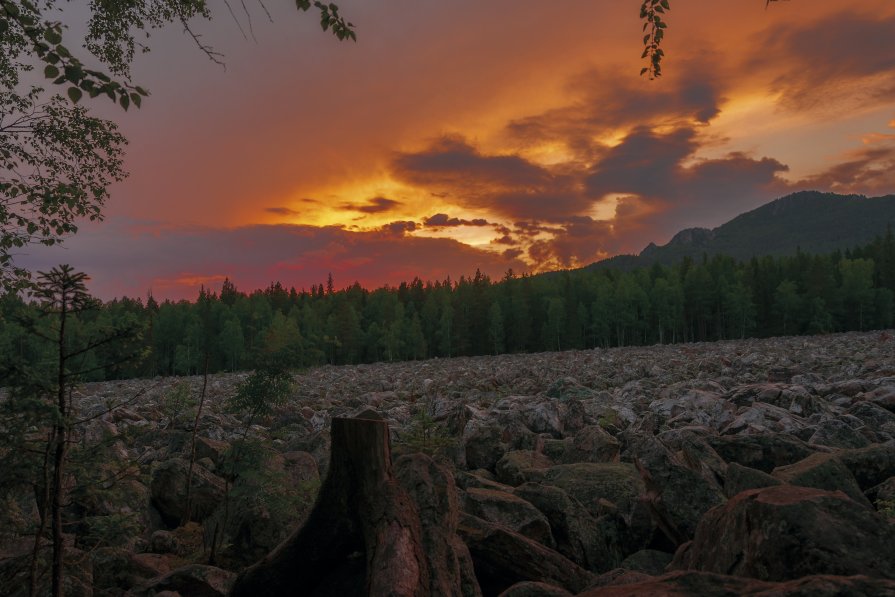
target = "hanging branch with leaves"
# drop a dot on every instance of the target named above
(652, 13)
(56, 160)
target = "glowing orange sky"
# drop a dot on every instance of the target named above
(464, 134)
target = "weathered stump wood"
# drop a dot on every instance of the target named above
(363, 536)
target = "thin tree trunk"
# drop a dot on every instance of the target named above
(185, 517)
(44, 507)
(59, 458)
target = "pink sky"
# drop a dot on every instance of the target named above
(462, 135)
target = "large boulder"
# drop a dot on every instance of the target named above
(591, 444)
(677, 495)
(503, 558)
(786, 532)
(195, 580)
(836, 433)
(534, 589)
(681, 584)
(822, 471)
(697, 454)
(212, 449)
(608, 490)
(168, 491)
(301, 467)
(871, 465)
(763, 418)
(592, 543)
(483, 444)
(590, 483)
(511, 467)
(742, 478)
(883, 396)
(764, 452)
(509, 510)
(647, 561)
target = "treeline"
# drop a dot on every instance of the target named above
(709, 299)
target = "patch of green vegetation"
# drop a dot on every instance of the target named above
(178, 405)
(424, 434)
(886, 508)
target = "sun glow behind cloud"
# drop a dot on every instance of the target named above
(537, 125)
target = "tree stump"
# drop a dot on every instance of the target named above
(363, 536)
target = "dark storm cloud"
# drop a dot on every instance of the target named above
(683, 193)
(373, 205)
(509, 185)
(695, 95)
(453, 163)
(869, 171)
(282, 211)
(823, 60)
(399, 228)
(443, 220)
(583, 240)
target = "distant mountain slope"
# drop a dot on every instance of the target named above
(809, 220)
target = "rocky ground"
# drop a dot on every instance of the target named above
(753, 467)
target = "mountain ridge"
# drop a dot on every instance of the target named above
(811, 221)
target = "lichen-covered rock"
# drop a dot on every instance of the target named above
(764, 452)
(591, 444)
(593, 543)
(510, 511)
(503, 558)
(680, 584)
(677, 496)
(822, 471)
(742, 478)
(608, 489)
(168, 491)
(194, 580)
(648, 561)
(483, 445)
(836, 433)
(511, 467)
(871, 465)
(534, 589)
(786, 532)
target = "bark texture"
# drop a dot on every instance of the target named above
(364, 536)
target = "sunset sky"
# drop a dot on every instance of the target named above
(464, 134)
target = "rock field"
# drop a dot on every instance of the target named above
(754, 467)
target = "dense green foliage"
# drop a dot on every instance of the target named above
(709, 299)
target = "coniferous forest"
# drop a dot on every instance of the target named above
(714, 298)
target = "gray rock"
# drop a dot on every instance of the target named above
(510, 511)
(742, 478)
(168, 491)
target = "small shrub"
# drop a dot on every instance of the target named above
(424, 434)
(886, 508)
(178, 405)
